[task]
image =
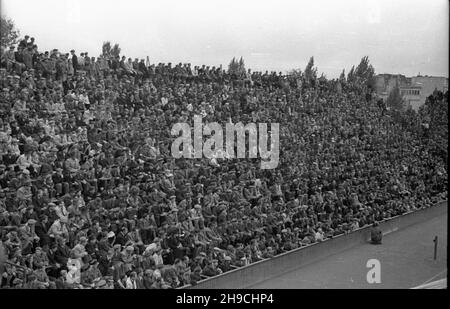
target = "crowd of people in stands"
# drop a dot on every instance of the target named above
(91, 197)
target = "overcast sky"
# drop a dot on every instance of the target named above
(401, 36)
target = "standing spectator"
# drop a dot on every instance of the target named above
(74, 61)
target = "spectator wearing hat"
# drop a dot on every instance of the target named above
(81, 62)
(73, 277)
(211, 269)
(196, 275)
(79, 251)
(91, 273)
(62, 253)
(158, 281)
(9, 58)
(28, 57)
(32, 282)
(87, 60)
(23, 43)
(8, 277)
(74, 59)
(41, 274)
(148, 279)
(225, 264)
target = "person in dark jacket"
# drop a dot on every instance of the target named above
(196, 275)
(74, 61)
(376, 234)
(143, 68)
(23, 43)
(211, 269)
(53, 270)
(62, 253)
(41, 230)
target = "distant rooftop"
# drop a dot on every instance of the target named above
(418, 75)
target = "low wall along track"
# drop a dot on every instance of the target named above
(406, 258)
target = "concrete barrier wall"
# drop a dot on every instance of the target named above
(252, 274)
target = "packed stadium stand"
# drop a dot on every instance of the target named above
(91, 197)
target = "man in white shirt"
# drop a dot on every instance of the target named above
(319, 235)
(84, 98)
(81, 62)
(131, 281)
(164, 101)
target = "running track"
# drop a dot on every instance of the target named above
(406, 259)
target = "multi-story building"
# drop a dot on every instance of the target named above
(414, 90)
(429, 84)
(412, 96)
(384, 83)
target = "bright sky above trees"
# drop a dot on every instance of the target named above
(401, 36)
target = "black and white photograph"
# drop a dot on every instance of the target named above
(204, 146)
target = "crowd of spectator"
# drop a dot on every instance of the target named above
(90, 196)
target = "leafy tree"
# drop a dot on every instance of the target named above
(338, 86)
(310, 72)
(237, 67)
(365, 73)
(232, 66)
(241, 64)
(106, 48)
(342, 76)
(295, 73)
(110, 51)
(364, 70)
(9, 35)
(434, 117)
(295, 78)
(351, 75)
(395, 100)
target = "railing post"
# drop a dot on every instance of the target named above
(435, 240)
